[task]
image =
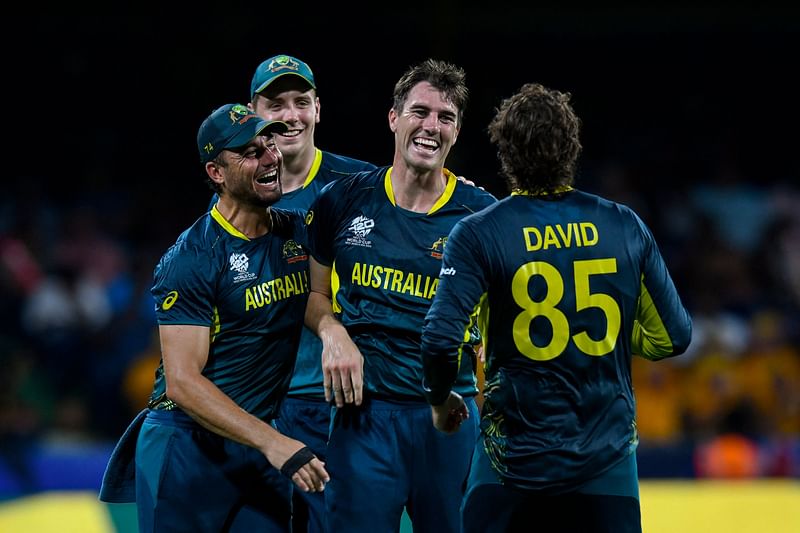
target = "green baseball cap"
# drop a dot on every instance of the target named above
(277, 66)
(232, 126)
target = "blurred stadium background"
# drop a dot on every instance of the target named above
(690, 117)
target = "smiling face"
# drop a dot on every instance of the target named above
(290, 99)
(250, 175)
(425, 129)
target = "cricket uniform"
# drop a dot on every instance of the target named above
(569, 286)
(251, 293)
(304, 414)
(385, 263)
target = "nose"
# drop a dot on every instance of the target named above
(271, 155)
(431, 122)
(291, 114)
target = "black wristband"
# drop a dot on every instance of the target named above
(434, 397)
(296, 461)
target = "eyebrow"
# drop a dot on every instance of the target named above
(443, 113)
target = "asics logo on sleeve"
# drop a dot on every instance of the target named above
(169, 301)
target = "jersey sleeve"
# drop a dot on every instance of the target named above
(662, 326)
(291, 224)
(300, 229)
(321, 224)
(183, 288)
(363, 166)
(462, 285)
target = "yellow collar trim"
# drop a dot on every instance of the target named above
(449, 187)
(227, 226)
(312, 173)
(558, 190)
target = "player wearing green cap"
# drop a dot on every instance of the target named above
(230, 297)
(283, 88)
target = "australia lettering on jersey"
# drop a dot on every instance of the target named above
(275, 290)
(574, 234)
(394, 280)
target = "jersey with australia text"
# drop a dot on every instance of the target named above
(327, 167)
(307, 377)
(385, 264)
(568, 288)
(251, 293)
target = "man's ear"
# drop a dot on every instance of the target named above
(392, 120)
(215, 172)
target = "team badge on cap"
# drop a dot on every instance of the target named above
(278, 66)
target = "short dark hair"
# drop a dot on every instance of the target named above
(537, 136)
(444, 76)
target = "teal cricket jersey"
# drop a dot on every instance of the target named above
(307, 378)
(327, 167)
(385, 263)
(568, 289)
(252, 293)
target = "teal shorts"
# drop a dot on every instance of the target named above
(608, 503)
(309, 422)
(386, 456)
(190, 479)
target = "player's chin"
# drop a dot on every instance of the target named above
(266, 199)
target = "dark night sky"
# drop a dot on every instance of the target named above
(113, 103)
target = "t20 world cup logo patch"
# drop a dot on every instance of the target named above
(239, 264)
(361, 226)
(359, 229)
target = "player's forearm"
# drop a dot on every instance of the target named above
(440, 367)
(214, 410)
(319, 316)
(438, 382)
(662, 326)
(321, 320)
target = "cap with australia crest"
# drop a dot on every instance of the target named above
(232, 126)
(276, 67)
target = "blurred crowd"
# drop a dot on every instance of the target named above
(78, 339)
(733, 247)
